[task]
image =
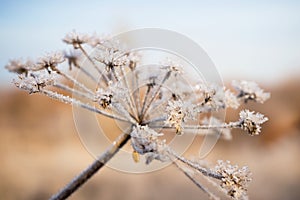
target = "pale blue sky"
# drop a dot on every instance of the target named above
(249, 40)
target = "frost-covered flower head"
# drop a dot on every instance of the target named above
(234, 180)
(73, 57)
(76, 39)
(18, 66)
(214, 97)
(176, 115)
(172, 66)
(153, 102)
(50, 61)
(145, 140)
(250, 121)
(35, 82)
(250, 91)
(112, 58)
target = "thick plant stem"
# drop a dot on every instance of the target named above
(85, 175)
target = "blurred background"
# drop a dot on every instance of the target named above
(40, 150)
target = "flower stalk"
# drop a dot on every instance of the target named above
(86, 174)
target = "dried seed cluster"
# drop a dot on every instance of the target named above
(149, 100)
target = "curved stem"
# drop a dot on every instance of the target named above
(75, 82)
(85, 175)
(75, 102)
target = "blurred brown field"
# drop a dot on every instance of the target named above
(40, 152)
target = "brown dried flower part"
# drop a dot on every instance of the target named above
(250, 121)
(104, 98)
(133, 58)
(135, 156)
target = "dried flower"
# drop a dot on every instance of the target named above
(214, 98)
(19, 67)
(104, 97)
(144, 140)
(73, 57)
(250, 91)
(250, 121)
(234, 180)
(35, 82)
(112, 58)
(172, 67)
(149, 100)
(50, 62)
(133, 58)
(76, 39)
(176, 115)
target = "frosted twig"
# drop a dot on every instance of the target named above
(73, 91)
(196, 166)
(222, 126)
(75, 82)
(157, 119)
(136, 92)
(85, 175)
(69, 100)
(129, 96)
